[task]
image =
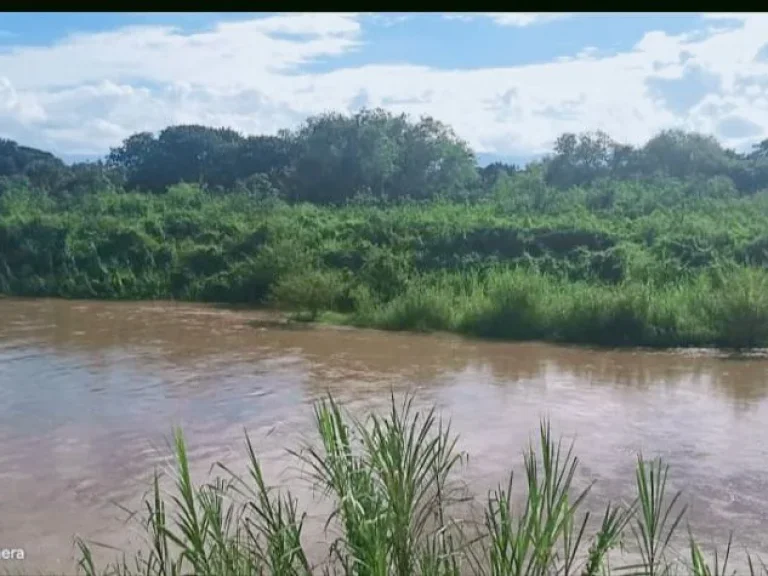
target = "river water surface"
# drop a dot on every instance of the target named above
(90, 391)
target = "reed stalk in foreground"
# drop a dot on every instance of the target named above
(393, 483)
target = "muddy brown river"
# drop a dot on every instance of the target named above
(90, 391)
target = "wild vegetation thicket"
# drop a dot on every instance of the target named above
(390, 222)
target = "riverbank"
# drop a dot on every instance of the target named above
(615, 278)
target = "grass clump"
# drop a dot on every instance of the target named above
(511, 306)
(421, 308)
(735, 307)
(399, 507)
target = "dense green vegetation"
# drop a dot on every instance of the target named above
(399, 508)
(391, 223)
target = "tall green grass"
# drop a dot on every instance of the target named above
(399, 507)
(727, 310)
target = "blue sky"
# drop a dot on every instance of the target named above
(508, 83)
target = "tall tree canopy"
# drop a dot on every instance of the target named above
(332, 158)
(375, 152)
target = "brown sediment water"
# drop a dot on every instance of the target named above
(90, 391)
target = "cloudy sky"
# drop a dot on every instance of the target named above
(509, 83)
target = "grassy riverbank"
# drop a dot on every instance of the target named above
(494, 268)
(391, 222)
(394, 482)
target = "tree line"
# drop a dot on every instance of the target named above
(334, 158)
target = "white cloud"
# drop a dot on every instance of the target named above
(516, 19)
(743, 16)
(90, 91)
(521, 19)
(387, 19)
(246, 52)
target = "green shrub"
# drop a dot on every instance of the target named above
(310, 291)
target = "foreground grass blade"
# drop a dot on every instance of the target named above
(392, 482)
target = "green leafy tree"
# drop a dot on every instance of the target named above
(140, 158)
(374, 152)
(760, 151)
(582, 159)
(683, 155)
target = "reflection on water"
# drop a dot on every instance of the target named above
(89, 393)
